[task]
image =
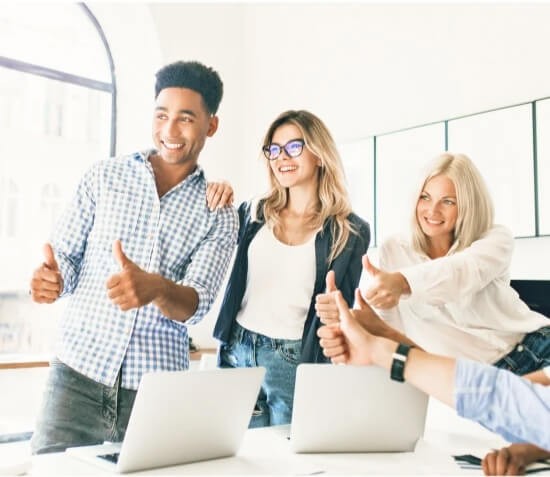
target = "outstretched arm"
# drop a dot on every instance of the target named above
(501, 401)
(454, 277)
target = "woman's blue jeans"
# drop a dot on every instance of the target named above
(531, 354)
(280, 357)
(79, 411)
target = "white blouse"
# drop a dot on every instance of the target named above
(279, 286)
(460, 305)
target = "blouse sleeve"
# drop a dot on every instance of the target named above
(455, 277)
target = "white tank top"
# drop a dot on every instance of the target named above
(279, 286)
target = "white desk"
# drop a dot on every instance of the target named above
(266, 451)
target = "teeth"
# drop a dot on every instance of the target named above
(172, 146)
(287, 168)
(434, 222)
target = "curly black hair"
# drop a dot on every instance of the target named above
(193, 75)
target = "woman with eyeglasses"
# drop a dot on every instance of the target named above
(288, 241)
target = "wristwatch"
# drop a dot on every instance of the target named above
(398, 363)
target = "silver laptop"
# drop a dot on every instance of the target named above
(180, 417)
(354, 409)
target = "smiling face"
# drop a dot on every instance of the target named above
(181, 125)
(437, 209)
(294, 171)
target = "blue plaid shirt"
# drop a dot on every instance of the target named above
(510, 405)
(175, 236)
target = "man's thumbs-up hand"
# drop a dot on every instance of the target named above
(46, 282)
(132, 287)
(49, 257)
(120, 257)
(384, 289)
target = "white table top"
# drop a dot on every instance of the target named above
(267, 451)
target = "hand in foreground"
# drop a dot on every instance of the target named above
(219, 194)
(46, 282)
(132, 287)
(512, 460)
(347, 342)
(385, 289)
(369, 319)
(325, 303)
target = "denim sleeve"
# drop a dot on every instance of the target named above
(504, 403)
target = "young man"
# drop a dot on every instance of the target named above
(516, 408)
(141, 256)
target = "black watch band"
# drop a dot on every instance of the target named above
(398, 363)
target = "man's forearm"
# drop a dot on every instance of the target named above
(399, 337)
(177, 302)
(432, 374)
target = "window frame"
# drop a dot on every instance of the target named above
(534, 138)
(25, 360)
(58, 75)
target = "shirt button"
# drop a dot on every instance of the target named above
(520, 348)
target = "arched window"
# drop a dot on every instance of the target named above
(57, 103)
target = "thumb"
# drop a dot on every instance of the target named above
(49, 257)
(343, 309)
(369, 267)
(119, 255)
(331, 281)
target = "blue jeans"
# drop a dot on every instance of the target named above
(79, 411)
(280, 357)
(531, 354)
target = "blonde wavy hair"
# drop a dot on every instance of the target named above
(475, 206)
(333, 196)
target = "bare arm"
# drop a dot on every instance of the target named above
(133, 287)
(177, 302)
(480, 392)
(350, 342)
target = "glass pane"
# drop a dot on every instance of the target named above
(59, 36)
(56, 131)
(400, 161)
(543, 166)
(501, 145)
(358, 159)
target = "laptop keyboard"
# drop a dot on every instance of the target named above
(110, 457)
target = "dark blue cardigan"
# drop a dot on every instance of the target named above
(347, 267)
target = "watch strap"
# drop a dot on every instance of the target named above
(398, 364)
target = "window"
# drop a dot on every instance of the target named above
(509, 145)
(543, 165)
(57, 97)
(400, 158)
(501, 145)
(358, 160)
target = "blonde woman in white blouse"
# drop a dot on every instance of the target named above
(447, 285)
